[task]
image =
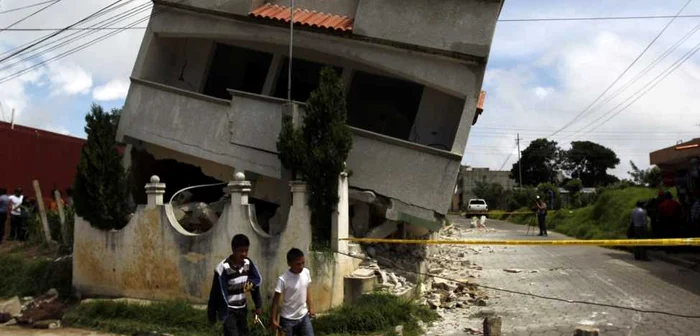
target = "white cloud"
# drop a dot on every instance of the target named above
(69, 79)
(543, 92)
(113, 90)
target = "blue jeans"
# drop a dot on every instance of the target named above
(301, 327)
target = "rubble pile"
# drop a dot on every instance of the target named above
(451, 285)
(197, 217)
(43, 312)
(387, 279)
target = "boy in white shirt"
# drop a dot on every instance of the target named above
(296, 312)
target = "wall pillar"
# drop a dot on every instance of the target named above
(239, 189)
(341, 217)
(154, 192)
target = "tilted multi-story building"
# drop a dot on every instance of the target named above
(209, 89)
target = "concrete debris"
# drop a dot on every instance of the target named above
(472, 331)
(44, 307)
(48, 324)
(12, 307)
(196, 217)
(512, 270)
(382, 231)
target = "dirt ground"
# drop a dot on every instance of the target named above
(17, 331)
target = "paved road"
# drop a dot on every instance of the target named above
(580, 273)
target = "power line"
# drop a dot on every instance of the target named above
(81, 34)
(602, 18)
(25, 7)
(576, 118)
(49, 36)
(79, 48)
(30, 15)
(54, 29)
(648, 87)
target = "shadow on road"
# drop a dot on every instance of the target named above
(672, 274)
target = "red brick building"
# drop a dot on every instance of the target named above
(28, 154)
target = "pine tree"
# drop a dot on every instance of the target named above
(101, 189)
(318, 150)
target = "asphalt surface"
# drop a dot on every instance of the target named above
(580, 273)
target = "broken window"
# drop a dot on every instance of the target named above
(305, 77)
(383, 105)
(237, 69)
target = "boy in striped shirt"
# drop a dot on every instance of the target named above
(233, 278)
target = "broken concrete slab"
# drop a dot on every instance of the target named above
(586, 331)
(12, 306)
(363, 273)
(383, 230)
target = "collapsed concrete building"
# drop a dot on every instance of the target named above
(209, 90)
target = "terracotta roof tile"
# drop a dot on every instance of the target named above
(304, 17)
(482, 100)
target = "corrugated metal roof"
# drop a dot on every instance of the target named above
(304, 17)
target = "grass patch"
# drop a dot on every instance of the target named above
(372, 315)
(176, 317)
(607, 218)
(29, 277)
(375, 313)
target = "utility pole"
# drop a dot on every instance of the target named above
(520, 164)
(291, 50)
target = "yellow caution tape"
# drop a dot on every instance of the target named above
(569, 242)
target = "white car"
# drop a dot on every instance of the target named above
(477, 207)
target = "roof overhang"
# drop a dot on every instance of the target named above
(676, 157)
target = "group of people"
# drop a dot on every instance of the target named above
(237, 275)
(670, 218)
(664, 217)
(11, 208)
(17, 208)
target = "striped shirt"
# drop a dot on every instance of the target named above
(236, 279)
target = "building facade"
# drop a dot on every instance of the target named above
(30, 154)
(209, 89)
(469, 177)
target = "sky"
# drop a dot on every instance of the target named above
(540, 76)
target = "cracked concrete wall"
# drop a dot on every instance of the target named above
(461, 26)
(154, 258)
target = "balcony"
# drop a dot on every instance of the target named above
(242, 133)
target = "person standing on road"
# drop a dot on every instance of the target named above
(638, 229)
(670, 216)
(653, 213)
(16, 219)
(4, 209)
(541, 211)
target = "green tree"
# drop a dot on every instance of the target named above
(492, 193)
(540, 163)
(318, 150)
(101, 188)
(574, 186)
(650, 177)
(590, 162)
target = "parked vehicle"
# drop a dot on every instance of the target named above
(476, 207)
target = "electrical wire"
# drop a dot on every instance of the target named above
(580, 114)
(646, 88)
(601, 18)
(543, 297)
(25, 7)
(49, 36)
(80, 35)
(54, 29)
(30, 15)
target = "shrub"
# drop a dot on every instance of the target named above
(101, 187)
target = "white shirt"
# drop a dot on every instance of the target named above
(16, 202)
(293, 288)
